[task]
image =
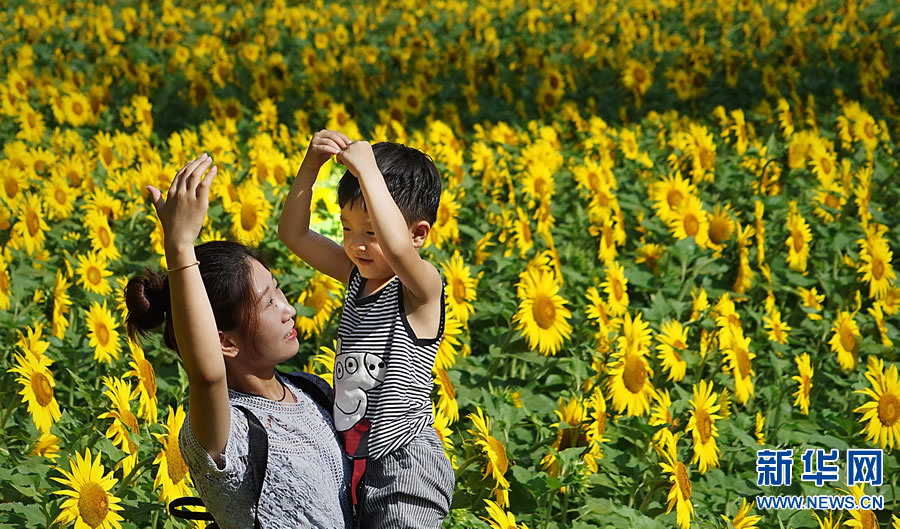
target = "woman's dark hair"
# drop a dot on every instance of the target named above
(411, 178)
(226, 269)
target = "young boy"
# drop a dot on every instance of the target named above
(391, 325)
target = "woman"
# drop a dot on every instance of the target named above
(231, 324)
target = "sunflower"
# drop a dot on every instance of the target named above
(777, 329)
(830, 197)
(142, 369)
(497, 463)
(77, 109)
(59, 198)
(760, 425)
(876, 266)
(47, 446)
(845, 340)
(104, 337)
(61, 303)
(120, 394)
(882, 412)
(691, 221)
(598, 312)
(637, 77)
(446, 405)
(812, 300)
(450, 344)
(650, 254)
(542, 315)
(860, 518)
(797, 242)
(829, 522)
(699, 304)
(662, 416)
(445, 228)
(522, 233)
(30, 341)
(103, 240)
(37, 389)
(721, 227)
(89, 502)
(741, 520)
(249, 213)
(672, 339)
(702, 426)
(30, 229)
(804, 381)
(739, 360)
(461, 286)
(442, 426)
(877, 313)
(499, 518)
(172, 476)
(680, 493)
(320, 295)
(630, 383)
(616, 288)
(92, 273)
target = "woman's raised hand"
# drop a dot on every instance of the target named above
(183, 209)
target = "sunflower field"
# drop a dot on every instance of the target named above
(665, 229)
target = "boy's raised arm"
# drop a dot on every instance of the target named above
(419, 276)
(315, 249)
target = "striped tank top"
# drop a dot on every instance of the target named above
(382, 372)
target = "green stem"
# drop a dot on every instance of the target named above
(135, 472)
(565, 507)
(647, 497)
(7, 413)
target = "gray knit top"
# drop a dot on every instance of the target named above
(307, 479)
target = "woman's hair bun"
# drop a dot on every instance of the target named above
(147, 299)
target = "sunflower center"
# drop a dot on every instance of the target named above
(617, 289)
(60, 197)
(459, 290)
(877, 269)
(103, 235)
(43, 392)
(707, 157)
(93, 276)
(77, 108)
(718, 231)
(107, 155)
(443, 215)
(103, 335)
(499, 455)
(93, 504)
(148, 377)
(806, 383)
(262, 170)
(797, 240)
(868, 520)
(831, 201)
(684, 482)
(280, 174)
(869, 129)
(639, 75)
(33, 223)
(743, 361)
(888, 409)
(635, 374)
(174, 464)
(691, 224)
(674, 198)
(848, 340)
(248, 217)
(544, 311)
(549, 99)
(826, 165)
(704, 425)
(11, 187)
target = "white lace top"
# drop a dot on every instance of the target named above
(307, 479)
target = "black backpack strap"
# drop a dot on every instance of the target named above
(258, 454)
(308, 386)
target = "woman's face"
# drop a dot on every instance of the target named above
(275, 338)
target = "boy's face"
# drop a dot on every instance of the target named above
(361, 245)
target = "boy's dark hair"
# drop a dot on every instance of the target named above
(411, 178)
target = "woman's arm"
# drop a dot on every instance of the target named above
(181, 214)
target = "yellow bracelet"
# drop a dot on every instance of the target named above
(195, 263)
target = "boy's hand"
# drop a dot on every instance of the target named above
(324, 145)
(358, 158)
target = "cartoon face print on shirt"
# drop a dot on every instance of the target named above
(354, 374)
